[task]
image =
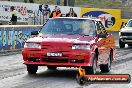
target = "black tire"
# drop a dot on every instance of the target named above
(51, 67)
(81, 80)
(32, 69)
(92, 69)
(107, 67)
(121, 44)
(130, 45)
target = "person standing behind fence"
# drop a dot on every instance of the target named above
(14, 16)
(71, 13)
(56, 12)
(46, 12)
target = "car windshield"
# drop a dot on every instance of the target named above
(69, 26)
(129, 24)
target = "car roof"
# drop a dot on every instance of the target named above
(70, 18)
(94, 19)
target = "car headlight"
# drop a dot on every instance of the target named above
(32, 45)
(82, 47)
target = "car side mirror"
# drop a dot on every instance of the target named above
(34, 33)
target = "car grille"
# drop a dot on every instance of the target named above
(33, 59)
(126, 34)
(55, 60)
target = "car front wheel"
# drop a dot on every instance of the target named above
(130, 45)
(92, 69)
(107, 67)
(32, 69)
(121, 44)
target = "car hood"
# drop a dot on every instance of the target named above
(126, 29)
(63, 38)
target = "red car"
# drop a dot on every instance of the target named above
(70, 42)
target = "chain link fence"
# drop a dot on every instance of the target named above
(124, 5)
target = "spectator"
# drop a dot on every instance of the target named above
(71, 13)
(46, 12)
(14, 16)
(55, 8)
(56, 12)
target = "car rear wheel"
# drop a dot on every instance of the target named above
(51, 67)
(130, 45)
(32, 69)
(121, 44)
(92, 69)
(107, 67)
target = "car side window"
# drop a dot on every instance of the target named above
(92, 28)
(100, 27)
(129, 23)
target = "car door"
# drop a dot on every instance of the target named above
(102, 44)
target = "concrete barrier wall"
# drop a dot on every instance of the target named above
(13, 37)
